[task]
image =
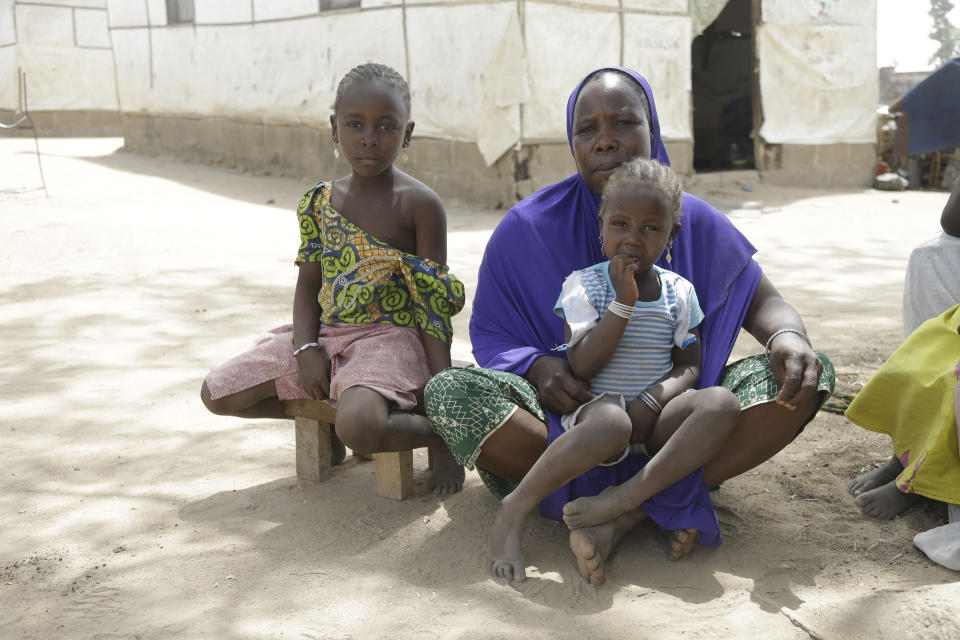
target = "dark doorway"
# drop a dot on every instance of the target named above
(722, 59)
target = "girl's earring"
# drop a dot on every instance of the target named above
(404, 158)
(669, 257)
(336, 150)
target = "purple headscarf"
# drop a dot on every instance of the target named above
(554, 232)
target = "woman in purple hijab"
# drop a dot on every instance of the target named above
(500, 418)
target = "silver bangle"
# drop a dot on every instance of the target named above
(651, 402)
(620, 309)
(304, 347)
(782, 331)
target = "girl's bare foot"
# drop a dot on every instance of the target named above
(682, 542)
(876, 478)
(447, 474)
(503, 544)
(589, 512)
(885, 502)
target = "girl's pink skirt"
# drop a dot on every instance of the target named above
(383, 357)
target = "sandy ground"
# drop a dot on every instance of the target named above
(130, 512)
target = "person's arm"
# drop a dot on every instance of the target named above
(594, 350)
(684, 375)
(312, 364)
(950, 219)
(795, 366)
(430, 222)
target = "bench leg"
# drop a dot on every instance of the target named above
(394, 474)
(314, 450)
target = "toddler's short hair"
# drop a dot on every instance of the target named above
(649, 172)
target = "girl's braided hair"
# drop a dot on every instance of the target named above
(650, 173)
(374, 71)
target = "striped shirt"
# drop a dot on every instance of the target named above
(643, 356)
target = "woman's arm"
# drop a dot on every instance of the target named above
(795, 366)
(430, 227)
(950, 219)
(312, 364)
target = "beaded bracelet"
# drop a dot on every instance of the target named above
(782, 331)
(304, 347)
(620, 309)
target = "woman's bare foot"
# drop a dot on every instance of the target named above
(589, 512)
(503, 544)
(885, 502)
(876, 478)
(682, 542)
(447, 474)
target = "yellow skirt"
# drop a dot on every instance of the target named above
(912, 398)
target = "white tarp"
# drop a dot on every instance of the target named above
(704, 12)
(505, 89)
(284, 72)
(818, 84)
(508, 81)
(563, 45)
(63, 49)
(659, 48)
(448, 78)
(819, 12)
(9, 92)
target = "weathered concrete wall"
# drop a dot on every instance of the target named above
(455, 169)
(65, 124)
(828, 165)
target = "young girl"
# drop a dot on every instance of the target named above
(373, 301)
(631, 329)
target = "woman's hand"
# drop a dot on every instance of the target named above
(314, 371)
(795, 367)
(623, 276)
(560, 391)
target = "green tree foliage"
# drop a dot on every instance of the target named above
(943, 32)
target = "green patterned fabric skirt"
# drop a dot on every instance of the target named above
(466, 406)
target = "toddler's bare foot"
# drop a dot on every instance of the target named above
(588, 512)
(447, 474)
(885, 502)
(682, 542)
(591, 546)
(876, 478)
(506, 558)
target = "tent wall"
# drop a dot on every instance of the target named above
(819, 91)
(63, 50)
(250, 83)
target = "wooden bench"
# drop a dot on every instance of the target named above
(313, 422)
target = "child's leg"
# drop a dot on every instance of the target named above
(602, 433)
(366, 424)
(642, 429)
(690, 431)
(259, 401)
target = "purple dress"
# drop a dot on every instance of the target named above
(554, 232)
